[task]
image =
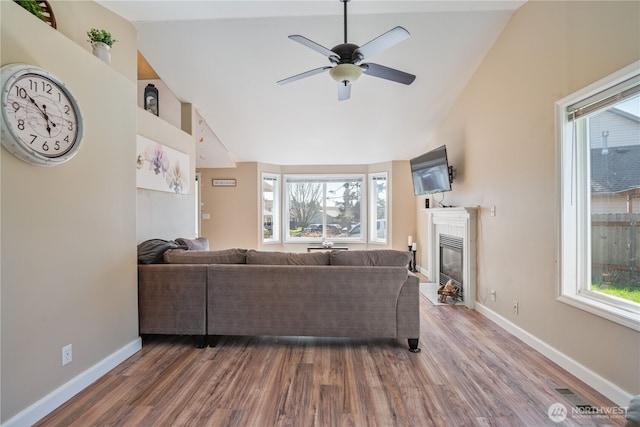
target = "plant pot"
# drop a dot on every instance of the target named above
(102, 51)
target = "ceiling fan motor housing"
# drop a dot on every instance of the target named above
(347, 54)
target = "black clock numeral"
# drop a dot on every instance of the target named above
(21, 92)
(15, 106)
(66, 139)
(45, 146)
(33, 138)
(70, 127)
(67, 109)
(47, 87)
(21, 124)
(33, 86)
(56, 146)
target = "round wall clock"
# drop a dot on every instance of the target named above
(41, 121)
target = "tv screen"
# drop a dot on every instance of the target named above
(430, 172)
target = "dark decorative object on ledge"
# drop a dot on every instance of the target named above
(412, 261)
(413, 267)
(39, 8)
(151, 99)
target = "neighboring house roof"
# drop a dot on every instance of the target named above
(617, 171)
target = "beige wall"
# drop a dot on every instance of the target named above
(235, 211)
(402, 214)
(68, 232)
(500, 138)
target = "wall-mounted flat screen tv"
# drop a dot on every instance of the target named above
(430, 172)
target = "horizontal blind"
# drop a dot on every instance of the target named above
(601, 100)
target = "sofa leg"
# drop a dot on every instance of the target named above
(201, 340)
(413, 345)
(213, 340)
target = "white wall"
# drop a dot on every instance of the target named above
(169, 105)
(500, 137)
(162, 215)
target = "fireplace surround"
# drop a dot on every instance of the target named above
(447, 225)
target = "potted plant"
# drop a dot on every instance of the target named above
(101, 42)
(32, 7)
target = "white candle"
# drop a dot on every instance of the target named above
(413, 247)
(410, 241)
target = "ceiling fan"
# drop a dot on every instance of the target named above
(346, 59)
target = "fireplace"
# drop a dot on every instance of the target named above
(451, 249)
(451, 262)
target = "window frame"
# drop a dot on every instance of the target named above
(275, 212)
(574, 245)
(373, 208)
(323, 178)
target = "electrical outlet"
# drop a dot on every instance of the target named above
(67, 354)
(516, 307)
(493, 294)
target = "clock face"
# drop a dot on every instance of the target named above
(42, 123)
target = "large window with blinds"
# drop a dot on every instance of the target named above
(598, 133)
(325, 207)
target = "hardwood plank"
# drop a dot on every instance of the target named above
(470, 372)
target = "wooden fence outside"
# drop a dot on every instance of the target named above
(615, 248)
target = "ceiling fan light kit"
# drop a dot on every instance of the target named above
(346, 59)
(345, 73)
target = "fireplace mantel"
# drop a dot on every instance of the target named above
(458, 222)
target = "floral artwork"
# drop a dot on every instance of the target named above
(161, 168)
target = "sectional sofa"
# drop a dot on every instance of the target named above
(248, 292)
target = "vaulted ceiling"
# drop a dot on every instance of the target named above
(225, 58)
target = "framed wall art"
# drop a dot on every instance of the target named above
(161, 168)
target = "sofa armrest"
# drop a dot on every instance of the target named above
(172, 299)
(409, 308)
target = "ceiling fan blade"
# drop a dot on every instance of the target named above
(315, 46)
(303, 75)
(382, 42)
(387, 73)
(344, 91)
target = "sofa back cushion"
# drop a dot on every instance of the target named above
(287, 258)
(199, 244)
(382, 257)
(226, 256)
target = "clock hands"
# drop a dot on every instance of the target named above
(47, 118)
(44, 114)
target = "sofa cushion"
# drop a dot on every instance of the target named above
(382, 257)
(199, 244)
(151, 251)
(226, 256)
(287, 258)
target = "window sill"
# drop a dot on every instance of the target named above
(602, 309)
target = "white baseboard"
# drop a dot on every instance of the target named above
(602, 385)
(47, 404)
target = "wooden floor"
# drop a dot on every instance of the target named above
(469, 373)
